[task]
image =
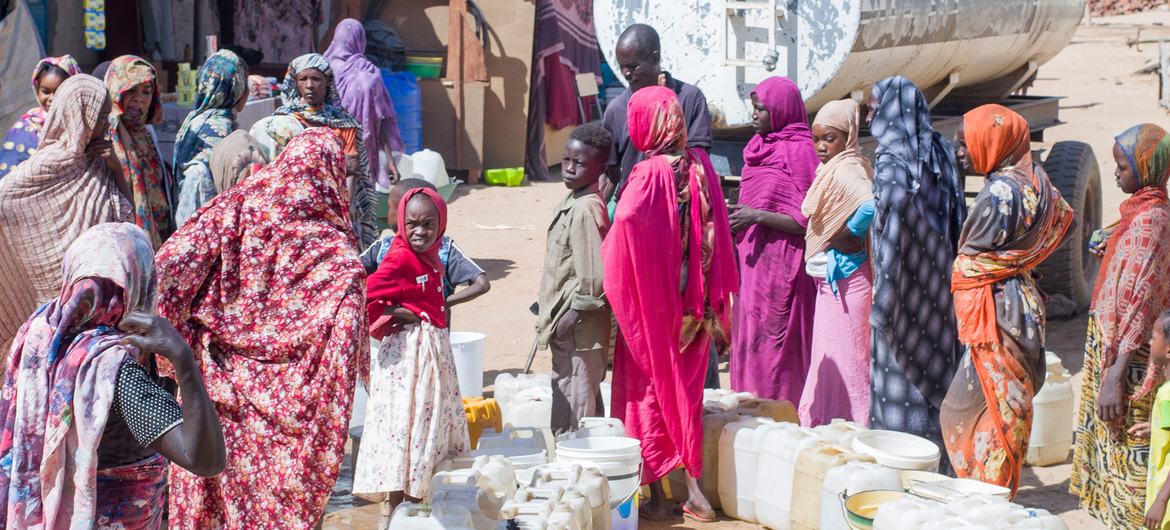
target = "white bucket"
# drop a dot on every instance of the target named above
(467, 348)
(898, 450)
(361, 400)
(625, 516)
(620, 460)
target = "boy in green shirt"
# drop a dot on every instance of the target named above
(574, 315)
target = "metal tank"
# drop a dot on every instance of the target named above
(838, 48)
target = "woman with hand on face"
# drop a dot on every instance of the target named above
(840, 208)
(773, 313)
(1131, 290)
(49, 200)
(134, 91)
(310, 95)
(25, 134)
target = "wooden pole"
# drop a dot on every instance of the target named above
(458, 17)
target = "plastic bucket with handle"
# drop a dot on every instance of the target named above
(620, 459)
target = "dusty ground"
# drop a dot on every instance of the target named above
(504, 230)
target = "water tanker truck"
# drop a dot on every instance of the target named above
(961, 53)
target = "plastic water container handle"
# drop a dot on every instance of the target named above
(512, 432)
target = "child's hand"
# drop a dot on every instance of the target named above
(1155, 515)
(1140, 431)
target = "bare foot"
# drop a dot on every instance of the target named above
(697, 506)
(656, 508)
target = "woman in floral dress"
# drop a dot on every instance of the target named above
(1016, 222)
(265, 283)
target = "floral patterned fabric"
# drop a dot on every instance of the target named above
(265, 283)
(1109, 464)
(414, 418)
(25, 134)
(59, 385)
(1016, 222)
(150, 183)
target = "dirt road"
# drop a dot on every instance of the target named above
(503, 229)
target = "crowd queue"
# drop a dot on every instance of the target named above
(856, 288)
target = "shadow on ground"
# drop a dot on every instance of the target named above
(496, 269)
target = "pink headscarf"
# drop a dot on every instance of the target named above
(643, 255)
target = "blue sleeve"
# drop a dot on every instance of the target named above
(862, 218)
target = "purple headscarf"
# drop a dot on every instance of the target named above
(362, 92)
(786, 153)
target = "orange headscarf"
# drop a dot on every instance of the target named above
(996, 135)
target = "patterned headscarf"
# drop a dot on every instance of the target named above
(223, 82)
(65, 62)
(330, 113)
(997, 136)
(1147, 146)
(150, 184)
(657, 123)
(60, 372)
(1131, 288)
(906, 137)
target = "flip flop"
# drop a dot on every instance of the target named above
(687, 512)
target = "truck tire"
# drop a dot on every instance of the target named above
(1071, 270)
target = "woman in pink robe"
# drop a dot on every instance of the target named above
(669, 276)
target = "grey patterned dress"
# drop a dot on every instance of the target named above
(920, 212)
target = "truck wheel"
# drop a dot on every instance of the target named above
(1071, 270)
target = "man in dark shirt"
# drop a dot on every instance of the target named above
(639, 56)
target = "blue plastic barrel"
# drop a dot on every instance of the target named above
(407, 99)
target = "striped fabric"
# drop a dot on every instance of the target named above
(50, 199)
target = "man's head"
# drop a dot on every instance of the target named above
(395, 196)
(585, 155)
(639, 56)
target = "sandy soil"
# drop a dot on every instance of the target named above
(503, 229)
